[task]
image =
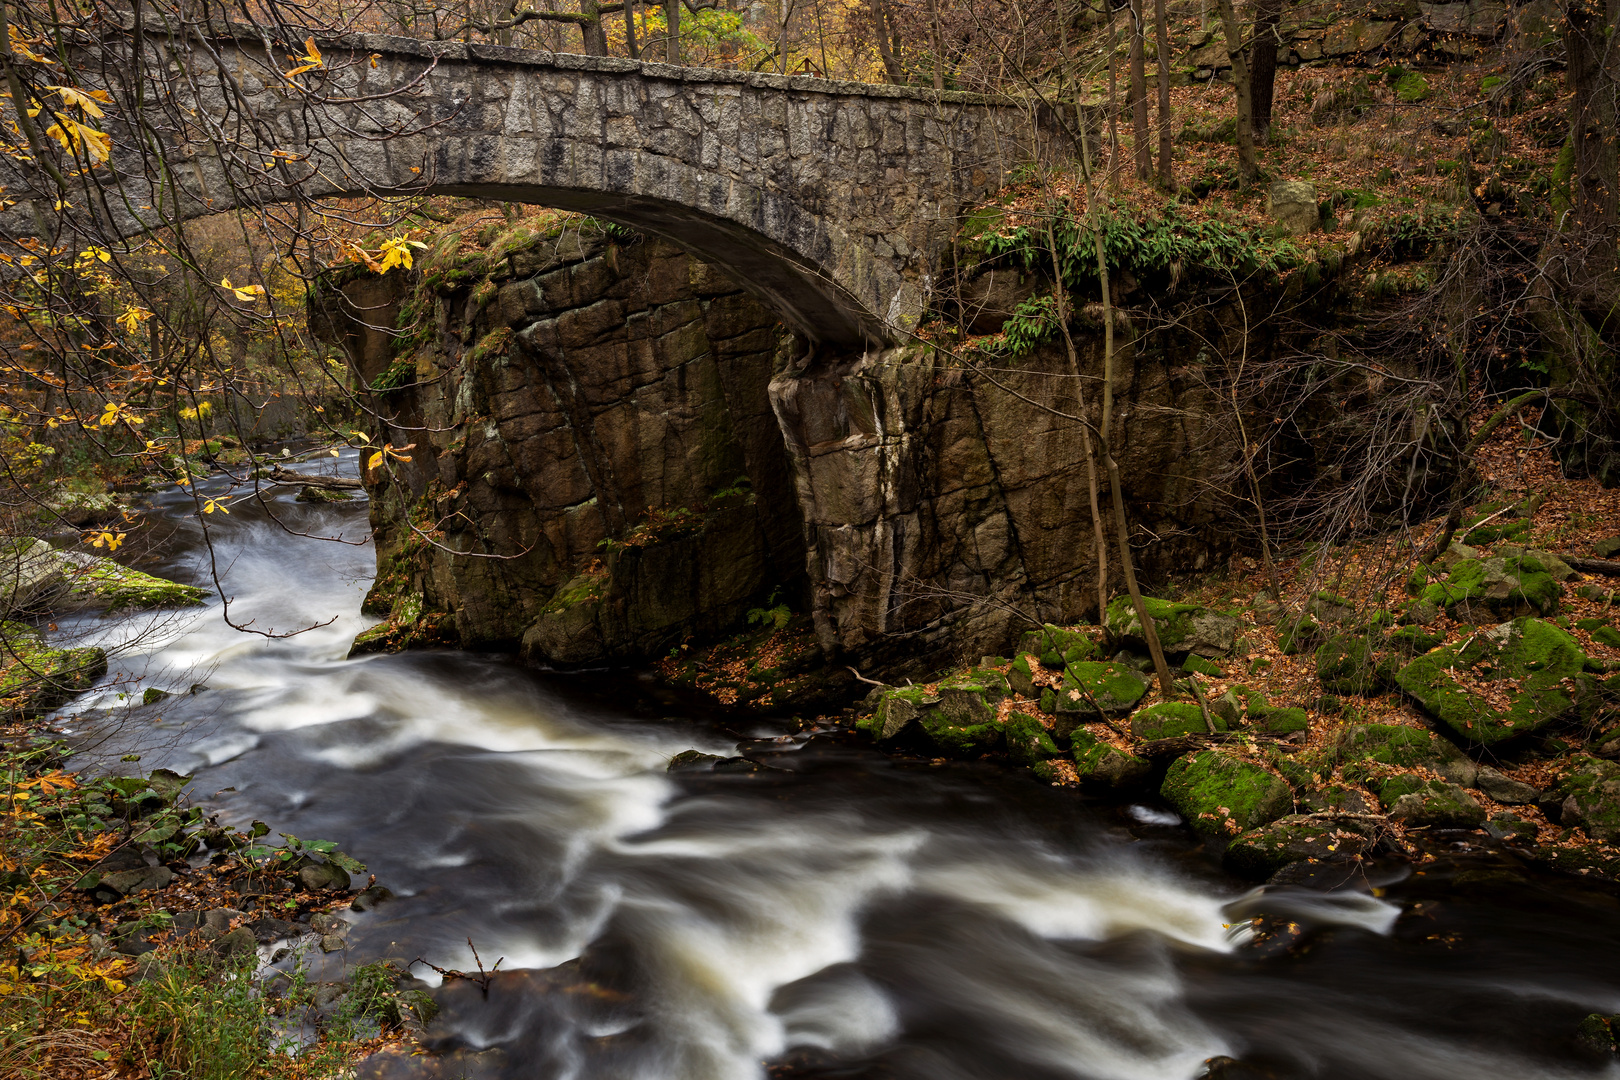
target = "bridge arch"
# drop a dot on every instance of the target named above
(831, 201)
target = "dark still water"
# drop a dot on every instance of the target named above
(835, 915)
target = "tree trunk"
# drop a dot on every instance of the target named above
(591, 29)
(1139, 105)
(672, 13)
(630, 30)
(880, 30)
(1263, 65)
(1248, 168)
(1113, 91)
(1161, 41)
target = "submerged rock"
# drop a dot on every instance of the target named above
(1536, 667)
(1218, 793)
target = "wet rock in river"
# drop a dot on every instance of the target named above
(685, 761)
(324, 877)
(1027, 739)
(1103, 767)
(1221, 794)
(374, 896)
(1262, 851)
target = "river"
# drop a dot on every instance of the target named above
(837, 914)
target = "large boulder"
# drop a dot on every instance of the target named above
(1350, 664)
(1102, 767)
(1316, 837)
(957, 718)
(1093, 687)
(1182, 628)
(1221, 794)
(1370, 751)
(1533, 672)
(1169, 719)
(37, 579)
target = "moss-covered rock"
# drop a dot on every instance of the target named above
(1182, 628)
(1282, 722)
(1415, 801)
(1055, 646)
(1339, 798)
(111, 586)
(1197, 665)
(1484, 590)
(36, 678)
(1300, 635)
(1536, 667)
(1262, 851)
(1169, 719)
(897, 710)
(1093, 685)
(1223, 795)
(1590, 789)
(1349, 664)
(1370, 751)
(1412, 640)
(1104, 767)
(1596, 1034)
(1027, 739)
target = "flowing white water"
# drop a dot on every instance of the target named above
(950, 923)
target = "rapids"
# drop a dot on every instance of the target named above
(836, 914)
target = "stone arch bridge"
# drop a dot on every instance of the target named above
(832, 201)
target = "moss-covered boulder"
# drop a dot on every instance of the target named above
(1055, 646)
(1300, 635)
(1412, 640)
(96, 582)
(1282, 722)
(957, 718)
(1350, 664)
(1590, 789)
(1484, 590)
(1260, 852)
(1369, 752)
(1027, 739)
(1169, 719)
(1182, 628)
(1092, 686)
(32, 577)
(1224, 795)
(36, 678)
(1415, 801)
(1337, 798)
(1534, 671)
(1104, 767)
(897, 710)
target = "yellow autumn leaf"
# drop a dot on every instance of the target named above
(243, 292)
(20, 46)
(74, 96)
(374, 460)
(132, 318)
(310, 60)
(215, 504)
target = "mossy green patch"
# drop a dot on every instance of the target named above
(1284, 721)
(1431, 802)
(1371, 751)
(1056, 646)
(1027, 740)
(1221, 795)
(1169, 719)
(1181, 628)
(1105, 767)
(1591, 791)
(1262, 851)
(36, 678)
(1537, 667)
(1348, 664)
(1093, 685)
(1494, 588)
(1197, 665)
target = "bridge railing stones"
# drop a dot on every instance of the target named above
(833, 201)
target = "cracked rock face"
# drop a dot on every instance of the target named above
(618, 449)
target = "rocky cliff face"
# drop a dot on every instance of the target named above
(613, 449)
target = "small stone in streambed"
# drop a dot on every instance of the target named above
(1226, 1068)
(1260, 852)
(324, 877)
(238, 942)
(323, 923)
(1505, 826)
(331, 943)
(309, 493)
(270, 929)
(693, 761)
(369, 898)
(1505, 789)
(1596, 1034)
(130, 882)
